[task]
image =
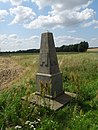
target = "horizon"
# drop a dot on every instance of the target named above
(16, 51)
(23, 21)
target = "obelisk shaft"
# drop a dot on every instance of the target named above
(48, 78)
(48, 59)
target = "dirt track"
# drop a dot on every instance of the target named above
(9, 70)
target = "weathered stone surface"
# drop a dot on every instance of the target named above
(53, 104)
(48, 78)
(48, 63)
(49, 85)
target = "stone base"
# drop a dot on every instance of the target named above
(49, 84)
(53, 104)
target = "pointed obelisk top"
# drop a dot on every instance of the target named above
(48, 58)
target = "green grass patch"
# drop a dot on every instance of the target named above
(80, 75)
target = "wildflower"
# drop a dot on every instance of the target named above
(18, 127)
(30, 123)
(38, 119)
(27, 122)
(50, 121)
(32, 126)
(77, 116)
(35, 122)
(39, 113)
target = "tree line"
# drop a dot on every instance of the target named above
(81, 47)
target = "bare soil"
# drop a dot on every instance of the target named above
(9, 71)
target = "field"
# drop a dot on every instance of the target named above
(9, 70)
(17, 79)
(93, 50)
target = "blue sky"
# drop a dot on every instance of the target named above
(71, 21)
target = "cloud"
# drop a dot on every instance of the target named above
(68, 4)
(60, 14)
(14, 2)
(42, 21)
(72, 31)
(63, 18)
(63, 13)
(13, 42)
(3, 14)
(67, 40)
(91, 23)
(42, 3)
(93, 42)
(22, 14)
(12, 36)
(4, 1)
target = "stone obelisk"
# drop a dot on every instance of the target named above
(48, 77)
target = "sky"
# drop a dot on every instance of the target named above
(70, 21)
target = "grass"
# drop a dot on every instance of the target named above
(80, 75)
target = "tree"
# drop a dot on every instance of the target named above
(83, 46)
